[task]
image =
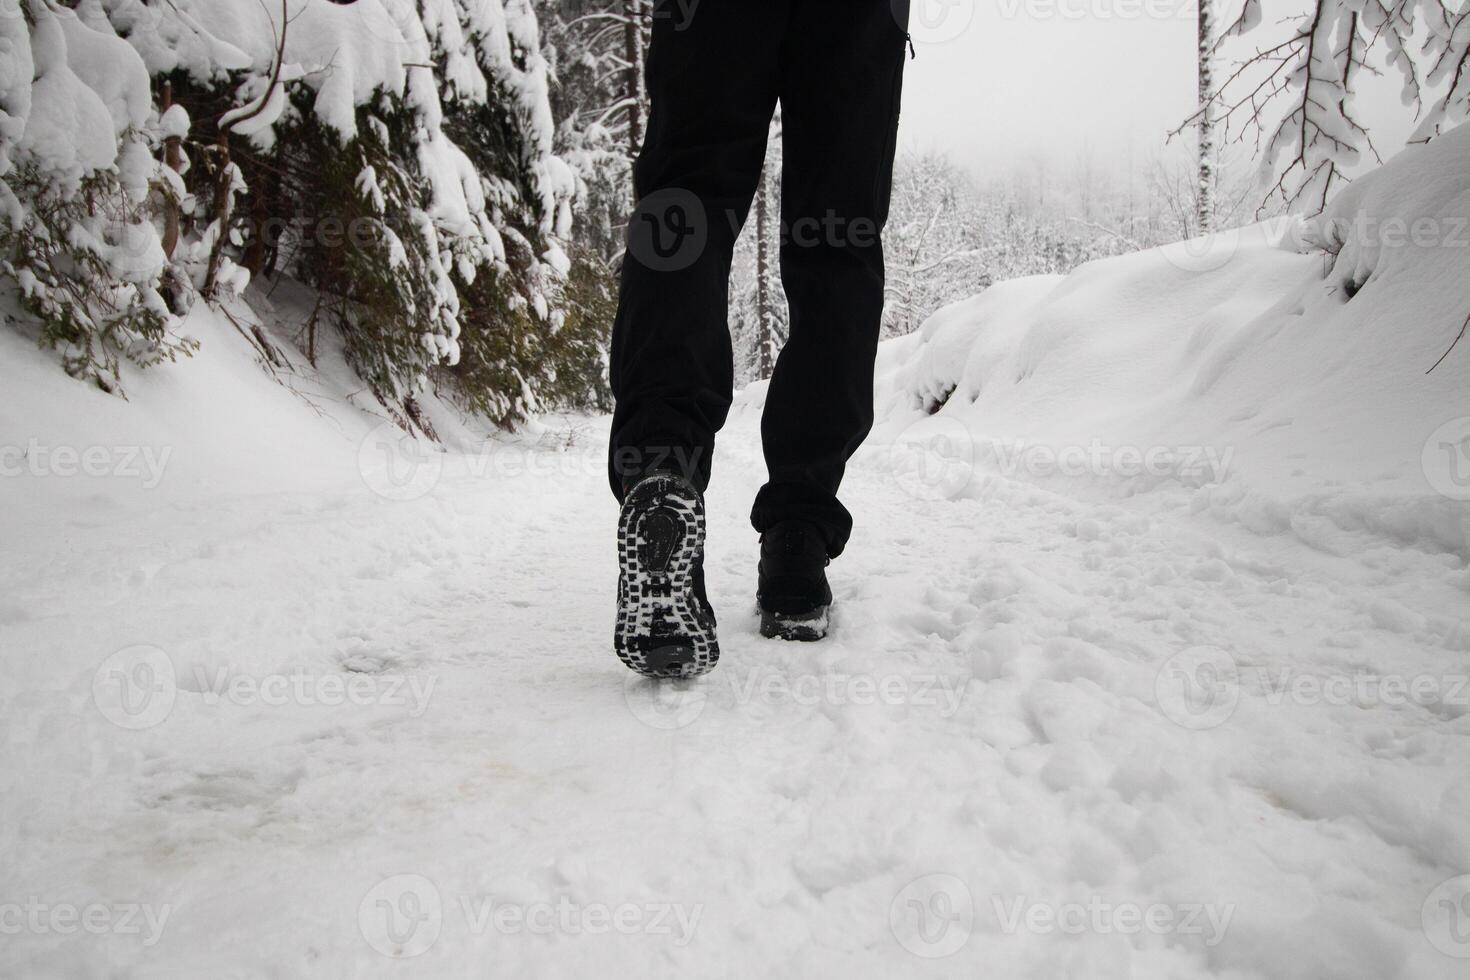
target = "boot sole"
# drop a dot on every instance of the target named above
(660, 538)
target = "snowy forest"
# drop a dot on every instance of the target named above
(449, 179)
(1136, 647)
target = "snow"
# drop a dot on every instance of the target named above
(346, 54)
(174, 123)
(70, 129)
(109, 66)
(17, 71)
(1253, 345)
(289, 692)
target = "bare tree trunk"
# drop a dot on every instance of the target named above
(767, 333)
(172, 156)
(1205, 198)
(224, 198)
(633, 53)
(224, 202)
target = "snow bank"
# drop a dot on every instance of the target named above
(1277, 374)
(225, 423)
(17, 71)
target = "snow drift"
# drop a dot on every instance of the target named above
(1279, 373)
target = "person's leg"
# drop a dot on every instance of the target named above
(839, 101)
(713, 77)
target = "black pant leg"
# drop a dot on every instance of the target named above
(840, 95)
(713, 78)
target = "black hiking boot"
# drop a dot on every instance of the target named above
(793, 593)
(665, 625)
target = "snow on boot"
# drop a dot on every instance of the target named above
(793, 593)
(665, 626)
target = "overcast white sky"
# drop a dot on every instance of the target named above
(1021, 82)
(1002, 85)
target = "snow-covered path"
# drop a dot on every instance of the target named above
(1050, 736)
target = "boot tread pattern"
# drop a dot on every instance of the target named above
(663, 629)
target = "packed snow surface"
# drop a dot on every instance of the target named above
(1148, 660)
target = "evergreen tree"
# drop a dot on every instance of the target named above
(397, 156)
(598, 49)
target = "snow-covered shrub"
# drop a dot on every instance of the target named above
(383, 152)
(77, 140)
(529, 319)
(370, 246)
(396, 148)
(551, 361)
